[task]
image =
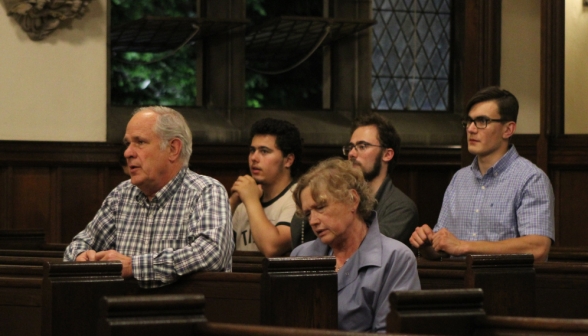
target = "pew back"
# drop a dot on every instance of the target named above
(458, 312)
(305, 288)
(150, 316)
(507, 280)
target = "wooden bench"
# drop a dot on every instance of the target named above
(27, 239)
(299, 292)
(34, 298)
(181, 315)
(562, 289)
(460, 312)
(250, 262)
(568, 254)
(21, 281)
(559, 289)
(434, 312)
(508, 280)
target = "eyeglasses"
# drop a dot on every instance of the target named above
(480, 122)
(359, 146)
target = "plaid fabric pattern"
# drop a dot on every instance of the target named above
(186, 227)
(514, 198)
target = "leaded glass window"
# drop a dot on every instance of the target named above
(411, 55)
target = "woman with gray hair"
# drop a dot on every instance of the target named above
(335, 199)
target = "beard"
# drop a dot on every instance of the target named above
(370, 175)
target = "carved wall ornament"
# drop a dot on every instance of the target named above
(39, 18)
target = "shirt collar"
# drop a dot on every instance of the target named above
(368, 254)
(165, 193)
(370, 250)
(500, 166)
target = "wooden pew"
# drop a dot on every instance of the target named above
(28, 243)
(21, 280)
(27, 239)
(568, 254)
(245, 261)
(31, 239)
(439, 312)
(562, 289)
(435, 312)
(508, 280)
(559, 288)
(180, 315)
(562, 283)
(299, 292)
(460, 312)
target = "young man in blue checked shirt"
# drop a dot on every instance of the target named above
(501, 203)
(166, 221)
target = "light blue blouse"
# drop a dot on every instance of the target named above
(380, 266)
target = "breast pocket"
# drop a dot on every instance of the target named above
(500, 221)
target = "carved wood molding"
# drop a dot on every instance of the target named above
(481, 47)
(552, 78)
(49, 153)
(40, 18)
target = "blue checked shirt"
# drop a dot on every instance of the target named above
(186, 227)
(513, 199)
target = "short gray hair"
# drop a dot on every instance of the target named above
(171, 124)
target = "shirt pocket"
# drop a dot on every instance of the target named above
(500, 222)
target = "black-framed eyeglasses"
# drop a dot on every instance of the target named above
(480, 122)
(360, 146)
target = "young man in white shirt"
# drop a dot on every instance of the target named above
(262, 202)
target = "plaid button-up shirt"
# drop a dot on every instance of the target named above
(513, 199)
(186, 227)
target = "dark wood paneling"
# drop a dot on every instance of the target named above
(5, 199)
(552, 78)
(31, 198)
(80, 199)
(569, 152)
(526, 145)
(114, 178)
(59, 186)
(432, 183)
(572, 201)
(481, 52)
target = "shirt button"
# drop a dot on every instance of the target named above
(483, 187)
(474, 234)
(477, 210)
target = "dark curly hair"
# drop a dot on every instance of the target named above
(387, 134)
(288, 138)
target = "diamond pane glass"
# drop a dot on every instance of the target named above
(411, 55)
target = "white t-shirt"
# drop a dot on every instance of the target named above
(279, 211)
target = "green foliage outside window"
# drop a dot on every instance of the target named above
(170, 82)
(300, 88)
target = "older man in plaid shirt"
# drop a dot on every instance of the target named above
(166, 221)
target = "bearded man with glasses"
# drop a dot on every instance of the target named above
(374, 148)
(502, 203)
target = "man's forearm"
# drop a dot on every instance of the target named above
(268, 238)
(536, 245)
